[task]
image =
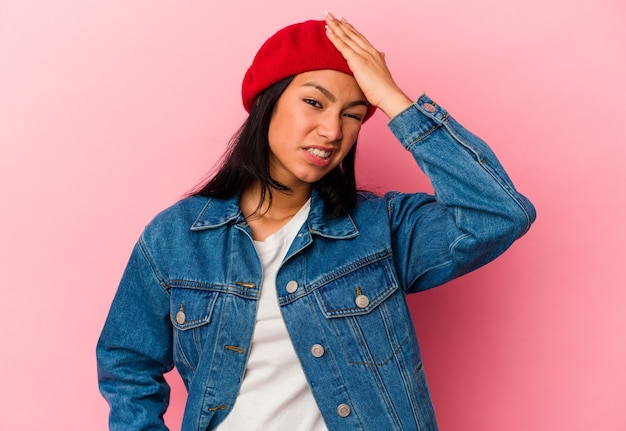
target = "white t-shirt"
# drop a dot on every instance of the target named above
(274, 394)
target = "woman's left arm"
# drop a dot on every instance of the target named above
(476, 212)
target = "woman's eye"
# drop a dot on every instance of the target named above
(313, 103)
(355, 116)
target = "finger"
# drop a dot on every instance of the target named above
(347, 34)
(352, 48)
(353, 34)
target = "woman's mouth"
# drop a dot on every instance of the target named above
(318, 157)
(322, 154)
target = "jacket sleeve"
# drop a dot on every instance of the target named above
(475, 214)
(134, 350)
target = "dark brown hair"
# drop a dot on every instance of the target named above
(246, 162)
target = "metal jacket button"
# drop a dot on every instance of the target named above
(429, 107)
(317, 350)
(343, 410)
(180, 316)
(362, 301)
(292, 286)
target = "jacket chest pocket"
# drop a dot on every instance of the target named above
(366, 310)
(191, 310)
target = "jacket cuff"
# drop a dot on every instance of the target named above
(417, 121)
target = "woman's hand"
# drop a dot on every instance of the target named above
(368, 66)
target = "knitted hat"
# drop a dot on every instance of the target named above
(298, 48)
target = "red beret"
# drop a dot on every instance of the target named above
(295, 49)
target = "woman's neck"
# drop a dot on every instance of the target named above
(271, 216)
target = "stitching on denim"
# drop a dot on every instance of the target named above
(143, 247)
(386, 361)
(400, 360)
(364, 348)
(351, 267)
(190, 324)
(213, 287)
(458, 240)
(360, 339)
(501, 182)
(422, 136)
(374, 302)
(180, 352)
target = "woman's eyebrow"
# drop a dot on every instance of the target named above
(330, 96)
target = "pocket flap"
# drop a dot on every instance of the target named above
(190, 308)
(357, 292)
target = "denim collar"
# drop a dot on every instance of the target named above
(218, 212)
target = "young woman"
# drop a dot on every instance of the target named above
(279, 292)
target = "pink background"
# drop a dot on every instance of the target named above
(110, 111)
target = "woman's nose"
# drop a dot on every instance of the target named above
(330, 127)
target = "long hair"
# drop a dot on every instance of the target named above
(247, 158)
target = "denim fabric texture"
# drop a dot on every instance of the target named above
(188, 297)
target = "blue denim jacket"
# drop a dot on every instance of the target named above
(188, 297)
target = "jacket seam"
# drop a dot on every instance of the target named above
(152, 264)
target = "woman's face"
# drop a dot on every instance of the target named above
(314, 124)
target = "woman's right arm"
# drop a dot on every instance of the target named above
(135, 348)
